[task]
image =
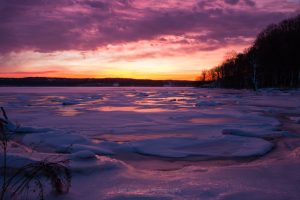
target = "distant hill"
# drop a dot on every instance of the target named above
(104, 82)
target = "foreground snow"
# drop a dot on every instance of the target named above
(161, 143)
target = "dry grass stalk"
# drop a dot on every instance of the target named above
(32, 176)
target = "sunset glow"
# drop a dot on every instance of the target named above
(172, 39)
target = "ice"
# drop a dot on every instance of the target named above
(83, 155)
(249, 195)
(96, 149)
(295, 119)
(70, 102)
(229, 147)
(267, 134)
(14, 128)
(54, 140)
(207, 103)
(17, 129)
(160, 143)
(142, 94)
(16, 161)
(296, 153)
(139, 197)
(79, 164)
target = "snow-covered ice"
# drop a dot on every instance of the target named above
(160, 143)
(226, 147)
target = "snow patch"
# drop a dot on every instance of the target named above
(14, 128)
(257, 195)
(54, 140)
(139, 197)
(207, 104)
(83, 155)
(295, 119)
(257, 134)
(226, 147)
(16, 161)
(70, 102)
(90, 166)
(82, 147)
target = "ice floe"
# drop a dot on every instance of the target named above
(83, 155)
(207, 104)
(73, 148)
(224, 147)
(54, 140)
(83, 163)
(16, 161)
(188, 147)
(267, 134)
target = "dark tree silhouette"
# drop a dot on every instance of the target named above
(272, 61)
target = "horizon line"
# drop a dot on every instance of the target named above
(45, 77)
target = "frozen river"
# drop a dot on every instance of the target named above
(162, 143)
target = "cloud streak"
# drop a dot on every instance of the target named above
(48, 26)
(121, 38)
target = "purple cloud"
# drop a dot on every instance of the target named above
(232, 2)
(250, 3)
(48, 26)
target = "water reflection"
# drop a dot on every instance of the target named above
(67, 111)
(176, 102)
(210, 120)
(130, 109)
(122, 138)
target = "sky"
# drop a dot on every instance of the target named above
(154, 39)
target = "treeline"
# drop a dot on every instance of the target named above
(86, 82)
(272, 61)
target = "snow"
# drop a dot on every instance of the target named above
(81, 147)
(54, 140)
(295, 119)
(267, 134)
(16, 161)
(207, 103)
(140, 197)
(83, 163)
(83, 155)
(160, 143)
(69, 102)
(226, 147)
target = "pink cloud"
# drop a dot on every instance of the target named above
(48, 26)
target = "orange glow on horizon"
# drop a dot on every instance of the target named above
(129, 39)
(138, 60)
(191, 77)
